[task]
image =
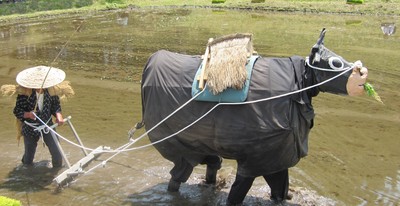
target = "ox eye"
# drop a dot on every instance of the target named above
(336, 63)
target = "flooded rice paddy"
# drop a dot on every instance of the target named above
(354, 156)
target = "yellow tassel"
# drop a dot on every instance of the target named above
(18, 127)
(63, 90)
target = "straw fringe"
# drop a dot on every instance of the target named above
(63, 90)
(11, 89)
(8, 90)
(18, 128)
(228, 57)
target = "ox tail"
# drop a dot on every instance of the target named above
(140, 124)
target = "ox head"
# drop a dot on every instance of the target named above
(326, 65)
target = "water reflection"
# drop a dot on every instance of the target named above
(388, 195)
(192, 194)
(32, 179)
(122, 18)
(391, 192)
(21, 29)
(5, 32)
(388, 28)
(78, 24)
(24, 51)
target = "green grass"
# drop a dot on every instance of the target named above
(37, 7)
(383, 7)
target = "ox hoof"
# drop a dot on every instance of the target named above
(278, 201)
(173, 186)
(289, 196)
(234, 204)
(281, 201)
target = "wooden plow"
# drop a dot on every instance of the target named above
(77, 168)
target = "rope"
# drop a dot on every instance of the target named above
(323, 69)
(124, 147)
(55, 59)
(41, 129)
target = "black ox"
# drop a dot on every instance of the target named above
(265, 138)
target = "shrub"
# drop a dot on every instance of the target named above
(218, 1)
(355, 1)
(257, 1)
(29, 6)
(5, 201)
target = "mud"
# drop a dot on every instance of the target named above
(353, 158)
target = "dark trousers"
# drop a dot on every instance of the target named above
(278, 182)
(30, 149)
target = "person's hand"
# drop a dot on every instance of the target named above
(59, 119)
(357, 79)
(29, 115)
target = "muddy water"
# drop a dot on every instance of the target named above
(354, 156)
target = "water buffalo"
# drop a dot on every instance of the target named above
(265, 137)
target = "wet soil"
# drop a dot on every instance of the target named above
(353, 158)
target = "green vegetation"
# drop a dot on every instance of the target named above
(30, 6)
(257, 1)
(355, 1)
(5, 201)
(218, 1)
(372, 7)
(369, 89)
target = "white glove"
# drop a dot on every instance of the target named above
(357, 79)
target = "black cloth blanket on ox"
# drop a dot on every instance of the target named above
(264, 137)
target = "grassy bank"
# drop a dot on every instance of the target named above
(369, 7)
(29, 8)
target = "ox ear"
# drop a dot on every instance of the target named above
(315, 56)
(321, 37)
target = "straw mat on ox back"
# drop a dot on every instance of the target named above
(226, 66)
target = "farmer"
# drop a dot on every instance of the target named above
(37, 101)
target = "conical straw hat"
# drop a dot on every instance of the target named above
(40, 77)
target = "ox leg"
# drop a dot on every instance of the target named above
(279, 184)
(179, 173)
(239, 190)
(213, 165)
